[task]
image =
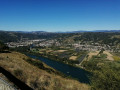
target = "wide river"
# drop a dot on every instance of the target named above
(68, 70)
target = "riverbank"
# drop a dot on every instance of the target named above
(65, 61)
(74, 72)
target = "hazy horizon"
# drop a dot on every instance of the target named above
(57, 31)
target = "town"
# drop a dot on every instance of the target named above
(86, 45)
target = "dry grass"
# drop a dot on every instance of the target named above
(48, 51)
(109, 55)
(116, 36)
(92, 54)
(116, 58)
(73, 57)
(61, 51)
(34, 77)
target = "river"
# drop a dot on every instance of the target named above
(68, 70)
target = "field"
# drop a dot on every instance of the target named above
(116, 56)
(68, 56)
(105, 70)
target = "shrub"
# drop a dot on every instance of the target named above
(37, 63)
(116, 58)
(18, 72)
(105, 79)
(20, 75)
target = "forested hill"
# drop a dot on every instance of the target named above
(101, 37)
(13, 36)
(6, 36)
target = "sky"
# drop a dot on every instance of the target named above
(59, 15)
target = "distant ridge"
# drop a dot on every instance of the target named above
(93, 31)
(79, 31)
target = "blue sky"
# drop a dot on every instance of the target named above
(59, 15)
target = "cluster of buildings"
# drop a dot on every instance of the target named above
(24, 43)
(95, 47)
(49, 43)
(54, 42)
(36, 42)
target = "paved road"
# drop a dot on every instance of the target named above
(5, 86)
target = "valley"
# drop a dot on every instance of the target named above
(65, 57)
(59, 44)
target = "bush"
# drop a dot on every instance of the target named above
(117, 58)
(3, 47)
(105, 75)
(20, 75)
(105, 79)
(37, 63)
(18, 72)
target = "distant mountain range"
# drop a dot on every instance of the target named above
(79, 31)
(93, 31)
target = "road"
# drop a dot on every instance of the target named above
(4, 85)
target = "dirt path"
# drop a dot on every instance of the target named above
(92, 54)
(109, 56)
(73, 58)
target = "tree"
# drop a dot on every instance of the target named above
(3, 47)
(106, 79)
(102, 50)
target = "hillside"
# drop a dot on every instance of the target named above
(105, 67)
(18, 64)
(13, 36)
(110, 38)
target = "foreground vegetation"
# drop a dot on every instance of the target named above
(36, 74)
(3, 47)
(106, 74)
